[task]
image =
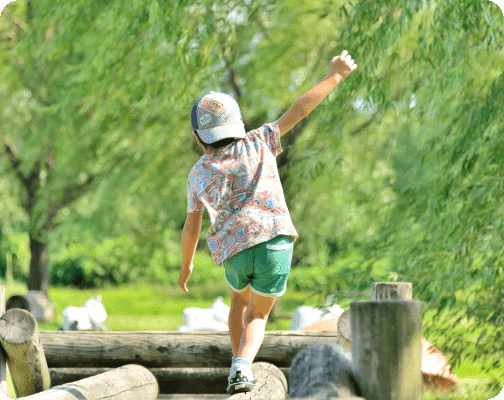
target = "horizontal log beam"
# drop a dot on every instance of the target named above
(170, 380)
(168, 349)
(130, 382)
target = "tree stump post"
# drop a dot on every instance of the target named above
(129, 382)
(3, 356)
(20, 339)
(386, 349)
(391, 291)
(271, 384)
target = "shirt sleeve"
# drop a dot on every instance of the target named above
(193, 203)
(270, 134)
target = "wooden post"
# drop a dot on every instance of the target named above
(20, 339)
(391, 291)
(209, 349)
(323, 371)
(386, 349)
(3, 356)
(130, 382)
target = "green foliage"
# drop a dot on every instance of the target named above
(396, 175)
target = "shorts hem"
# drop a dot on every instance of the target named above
(236, 290)
(268, 294)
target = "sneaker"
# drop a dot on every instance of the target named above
(240, 383)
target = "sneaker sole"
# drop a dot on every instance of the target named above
(241, 387)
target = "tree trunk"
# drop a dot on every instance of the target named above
(39, 265)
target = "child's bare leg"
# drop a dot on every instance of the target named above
(257, 314)
(236, 320)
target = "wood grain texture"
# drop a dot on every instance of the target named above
(323, 371)
(271, 384)
(170, 380)
(130, 382)
(391, 291)
(386, 350)
(20, 339)
(168, 349)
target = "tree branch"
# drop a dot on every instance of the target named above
(15, 162)
(72, 193)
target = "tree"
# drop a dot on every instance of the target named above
(81, 105)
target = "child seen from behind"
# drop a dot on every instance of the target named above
(251, 233)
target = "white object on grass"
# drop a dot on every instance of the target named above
(91, 316)
(305, 315)
(201, 319)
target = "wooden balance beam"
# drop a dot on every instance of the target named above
(170, 380)
(130, 382)
(207, 349)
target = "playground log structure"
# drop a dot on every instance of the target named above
(93, 365)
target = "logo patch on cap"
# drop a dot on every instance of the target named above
(211, 106)
(205, 119)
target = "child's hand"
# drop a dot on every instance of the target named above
(184, 275)
(343, 64)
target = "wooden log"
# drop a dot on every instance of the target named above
(271, 384)
(386, 349)
(3, 355)
(345, 331)
(129, 382)
(36, 302)
(168, 349)
(170, 380)
(379, 291)
(391, 291)
(20, 339)
(323, 371)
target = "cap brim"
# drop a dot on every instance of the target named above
(213, 135)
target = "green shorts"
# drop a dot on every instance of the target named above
(265, 267)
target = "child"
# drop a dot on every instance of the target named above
(251, 233)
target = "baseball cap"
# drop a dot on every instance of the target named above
(217, 116)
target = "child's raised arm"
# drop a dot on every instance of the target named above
(341, 66)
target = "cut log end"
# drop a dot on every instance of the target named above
(271, 384)
(391, 291)
(17, 326)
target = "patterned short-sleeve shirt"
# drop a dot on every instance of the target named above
(240, 188)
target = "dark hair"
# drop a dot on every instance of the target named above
(215, 145)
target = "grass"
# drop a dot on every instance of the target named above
(139, 307)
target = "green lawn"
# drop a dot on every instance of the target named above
(159, 307)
